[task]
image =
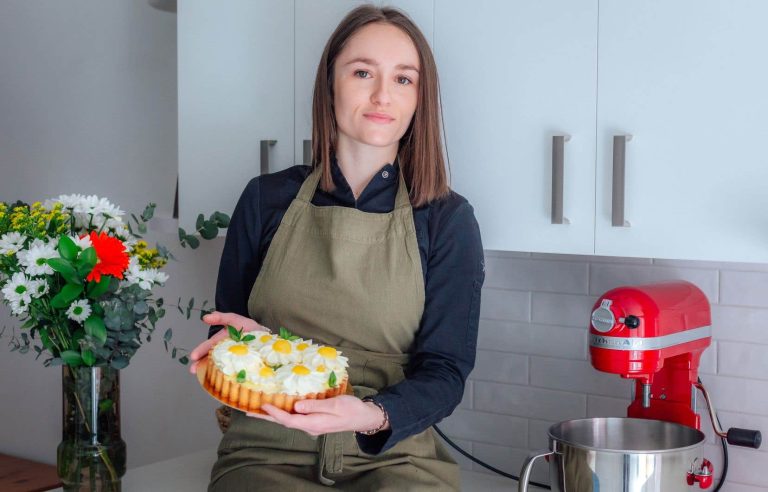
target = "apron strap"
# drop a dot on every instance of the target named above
(308, 187)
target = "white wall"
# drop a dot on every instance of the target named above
(88, 105)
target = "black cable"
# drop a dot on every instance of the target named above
(725, 459)
(486, 465)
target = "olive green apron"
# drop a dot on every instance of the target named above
(353, 280)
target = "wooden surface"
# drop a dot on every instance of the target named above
(20, 475)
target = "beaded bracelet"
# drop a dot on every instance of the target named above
(383, 423)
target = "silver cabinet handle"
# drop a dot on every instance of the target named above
(307, 152)
(265, 145)
(619, 166)
(558, 160)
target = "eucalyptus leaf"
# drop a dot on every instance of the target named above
(141, 307)
(168, 335)
(221, 219)
(119, 362)
(190, 306)
(184, 360)
(209, 230)
(193, 242)
(149, 212)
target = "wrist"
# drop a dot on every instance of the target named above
(379, 420)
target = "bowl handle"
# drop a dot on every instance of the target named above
(525, 472)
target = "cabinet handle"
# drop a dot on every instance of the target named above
(558, 160)
(619, 166)
(307, 152)
(265, 145)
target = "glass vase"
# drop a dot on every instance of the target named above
(91, 455)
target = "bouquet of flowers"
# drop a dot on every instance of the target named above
(81, 279)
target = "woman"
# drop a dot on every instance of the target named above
(382, 260)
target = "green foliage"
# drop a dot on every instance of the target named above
(332, 380)
(287, 334)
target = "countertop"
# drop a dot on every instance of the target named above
(189, 473)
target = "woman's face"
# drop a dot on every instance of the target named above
(375, 85)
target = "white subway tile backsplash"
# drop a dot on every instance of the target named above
(510, 460)
(708, 363)
(534, 339)
(467, 399)
(605, 406)
(604, 277)
(506, 254)
(505, 304)
(537, 275)
(562, 309)
(743, 359)
(736, 394)
(538, 434)
(526, 401)
(740, 324)
(744, 288)
(486, 427)
(464, 462)
(500, 366)
(578, 376)
(591, 259)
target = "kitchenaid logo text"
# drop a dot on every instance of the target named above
(649, 343)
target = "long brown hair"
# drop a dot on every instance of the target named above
(420, 153)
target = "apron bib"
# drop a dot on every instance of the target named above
(352, 280)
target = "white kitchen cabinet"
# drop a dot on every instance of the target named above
(235, 78)
(687, 79)
(315, 22)
(514, 74)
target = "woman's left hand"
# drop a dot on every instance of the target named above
(336, 414)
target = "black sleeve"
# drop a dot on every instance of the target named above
(445, 346)
(240, 259)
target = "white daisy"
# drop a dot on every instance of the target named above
(79, 311)
(38, 287)
(19, 307)
(11, 243)
(83, 242)
(144, 278)
(34, 258)
(70, 202)
(19, 288)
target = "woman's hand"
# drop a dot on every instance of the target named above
(217, 318)
(337, 414)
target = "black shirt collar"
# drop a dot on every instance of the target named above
(377, 197)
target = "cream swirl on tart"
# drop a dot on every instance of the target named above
(232, 356)
(329, 357)
(280, 352)
(298, 379)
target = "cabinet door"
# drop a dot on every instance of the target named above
(315, 22)
(235, 91)
(686, 80)
(514, 74)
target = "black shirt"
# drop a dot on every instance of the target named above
(443, 353)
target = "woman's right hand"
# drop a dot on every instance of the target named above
(217, 318)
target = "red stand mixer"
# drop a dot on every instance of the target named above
(655, 334)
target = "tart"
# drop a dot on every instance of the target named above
(244, 371)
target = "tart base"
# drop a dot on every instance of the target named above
(237, 396)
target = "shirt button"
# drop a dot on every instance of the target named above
(385, 174)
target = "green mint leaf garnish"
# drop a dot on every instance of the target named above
(285, 333)
(248, 338)
(233, 334)
(241, 376)
(276, 367)
(332, 380)
(293, 337)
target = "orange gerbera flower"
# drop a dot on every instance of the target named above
(112, 259)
